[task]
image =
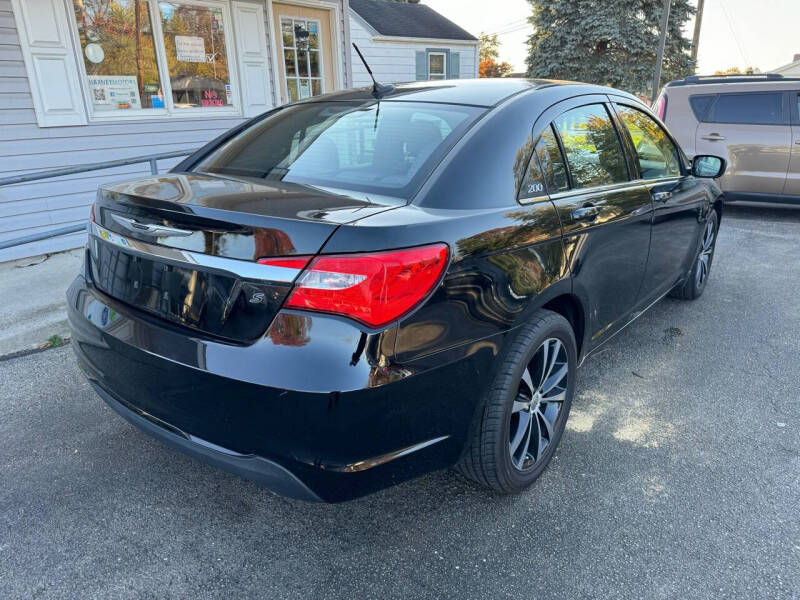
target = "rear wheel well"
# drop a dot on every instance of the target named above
(570, 308)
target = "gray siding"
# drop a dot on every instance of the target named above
(25, 147)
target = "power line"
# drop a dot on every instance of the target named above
(735, 35)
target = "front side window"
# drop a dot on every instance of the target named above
(116, 40)
(437, 65)
(196, 50)
(749, 109)
(592, 147)
(384, 147)
(658, 157)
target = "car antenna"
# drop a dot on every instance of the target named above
(378, 90)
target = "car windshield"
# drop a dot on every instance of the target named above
(385, 148)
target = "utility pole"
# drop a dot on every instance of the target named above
(662, 42)
(698, 21)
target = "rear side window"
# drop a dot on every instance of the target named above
(385, 147)
(700, 105)
(551, 162)
(749, 109)
(592, 146)
(546, 170)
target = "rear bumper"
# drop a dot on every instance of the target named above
(316, 409)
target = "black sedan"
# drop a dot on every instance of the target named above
(350, 291)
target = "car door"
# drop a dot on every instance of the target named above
(605, 217)
(751, 131)
(792, 185)
(679, 200)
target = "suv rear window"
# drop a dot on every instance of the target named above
(750, 109)
(383, 148)
(701, 104)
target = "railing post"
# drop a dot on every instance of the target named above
(154, 166)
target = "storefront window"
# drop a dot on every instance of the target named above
(302, 57)
(116, 38)
(197, 61)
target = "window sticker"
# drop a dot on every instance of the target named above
(190, 48)
(115, 91)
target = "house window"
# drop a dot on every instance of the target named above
(302, 57)
(196, 52)
(119, 55)
(155, 57)
(437, 65)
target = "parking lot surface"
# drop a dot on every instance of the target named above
(678, 477)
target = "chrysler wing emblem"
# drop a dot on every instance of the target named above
(150, 228)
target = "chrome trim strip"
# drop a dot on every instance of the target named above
(369, 463)
(600, 189)
(230, 266)
(149, 228)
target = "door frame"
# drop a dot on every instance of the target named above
(334, 13)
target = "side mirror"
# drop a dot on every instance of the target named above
(705, 165)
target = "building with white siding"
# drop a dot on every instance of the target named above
(409, 42)
(84, 81)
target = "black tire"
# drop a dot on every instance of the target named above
(696, 282)
(489, 459)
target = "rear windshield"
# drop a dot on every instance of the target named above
(385, 148)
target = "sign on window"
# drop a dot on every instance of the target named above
(115, 92)
(190, 48)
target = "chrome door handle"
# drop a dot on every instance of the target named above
(661, 196)
(713, 137)
(586, 213)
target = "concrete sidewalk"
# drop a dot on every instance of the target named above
(32, 301)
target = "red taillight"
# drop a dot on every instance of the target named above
(661, 106)
(375, 289)
(289, 262)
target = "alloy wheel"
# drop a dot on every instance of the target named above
(538, 405)
(706, 251)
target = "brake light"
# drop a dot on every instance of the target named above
(661, 106)
(375, 289)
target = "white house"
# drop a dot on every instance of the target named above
(84, 81)
(409, 42)
(789, 70)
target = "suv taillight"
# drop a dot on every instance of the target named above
(660, 107)
(375, 288)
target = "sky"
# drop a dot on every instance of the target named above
(735, 33)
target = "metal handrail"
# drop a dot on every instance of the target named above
(109, 164)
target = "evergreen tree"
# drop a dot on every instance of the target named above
(609, 42)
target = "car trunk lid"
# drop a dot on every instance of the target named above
(184, 247)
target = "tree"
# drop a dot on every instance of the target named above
(489, 53)
(737, 71)
(609, 42)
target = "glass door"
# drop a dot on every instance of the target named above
(302, 58)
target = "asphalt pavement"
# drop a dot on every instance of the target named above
(678, 477)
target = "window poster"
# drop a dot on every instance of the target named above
(114, 92)
(305, 89)
(190, 48)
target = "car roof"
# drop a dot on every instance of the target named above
(476, 92)
(769, 79)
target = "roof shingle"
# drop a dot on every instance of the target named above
(408, 20)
